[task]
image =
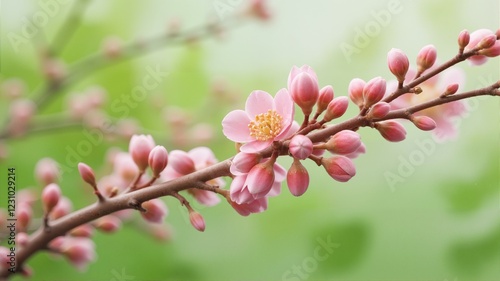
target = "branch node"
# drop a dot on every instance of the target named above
(135, 204)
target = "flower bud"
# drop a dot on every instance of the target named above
(86, 173)
(426, 58)
(181, 162)
(336, 108)
(79, 251)
(47, 171)
(487, 42)
(50, 197)
(301, 147)
(379, 110)
(139, 148)
(343, 142)
(325, 97)
(197, 221)
(297, 178)
(391, 130)
(23, 215)
(398, 63)
(340, 168)
(424, 123)
(124, 166)
(22, 110)
(463, 38)
(156, 210)
(243, 162)
(84, 230)
(373, 91)
(356, 91)
(261, 178)
(304, 91)
(108, 224)
(158, 159)
(54, 70)
(450, 90)
(63, 207)
(112, 47)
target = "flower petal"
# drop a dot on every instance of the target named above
(284, 106)
(235, 126)
(258, 102)
(255, 146)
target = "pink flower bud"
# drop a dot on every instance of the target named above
(259, 10)
(181, 162)
(243, 162)
(79, 251)
(297, 178)
(391, 130)
(139, 148)
(124, 166)
(23, 215)
(463, 39)
(260, 179)
(426, 58)
(156, 210)
(450, 90)
(84, 230)
(158, 159)
(379, 110)
(493, 51)
(22, 110)
(304, 91)
(197, 221)
(487, 42)
(325, 97)
(47, 171)
(356, 87)
(424, 123)
(86, 173)
(373, 91)
(63, 207)
(54, 70)
(112, 47)
(108, 224)
(340, 168)
(344, 142)
(301, 147)
(398, 63)
(50, 196)
(336, 108)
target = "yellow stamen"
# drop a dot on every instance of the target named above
(266, 126)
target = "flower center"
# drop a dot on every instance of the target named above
(266, 126)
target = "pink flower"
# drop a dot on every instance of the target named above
(156, 210)
(254, 206)
(80, 251)
(264, 120)
(476, 38)
(301, 147)
(431, 89)
(139, 148)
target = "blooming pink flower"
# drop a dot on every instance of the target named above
(264, 120)
(476, 38)
(431, 89)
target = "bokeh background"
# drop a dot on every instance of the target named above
(441, 221)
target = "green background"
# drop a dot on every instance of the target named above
(441, 222)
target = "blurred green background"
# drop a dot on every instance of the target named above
(440, 222)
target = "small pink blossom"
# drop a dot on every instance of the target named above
(264, 120)
(391, 130)
(356, 91)
(344, 142)
(426, 58)
(197, 221)
(251, 207)
(336, 108)
(398, 63)
(301, 147)
(463, 39)
(340, 168)
(158, 159)
(303, 87)
(326, 95)
(50, 197)
(373, 91)
(243, 162)
(87, 173)
(424, 123)
(297, 178)
(379, 110)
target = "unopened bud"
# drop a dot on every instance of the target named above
(84, 230)
(463, 38)
(261, 178)
(356, 91)
(297, 178)
(63, 207)
(340, 168)
(197, 221)
(398, 63)
(325, 97)
(450, 90)
(343, 142)
(50, 197)
(424, 123)
(181, 162)
(426, 58)
(379, 110)
(300, 147)
(304, 91)
(156, 210)
(158, 159)
(108, 224)
(487, 42)
(391, 130)
(373, 91)
(87, 173)
(336, 108)
(139, 148)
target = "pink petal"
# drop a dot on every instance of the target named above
(452, 76)
(258, 102)
(294, 127)
(275, 190)
(279, 172)
(284, 106)
(235, 126)
(202, 157)
(255, 146)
